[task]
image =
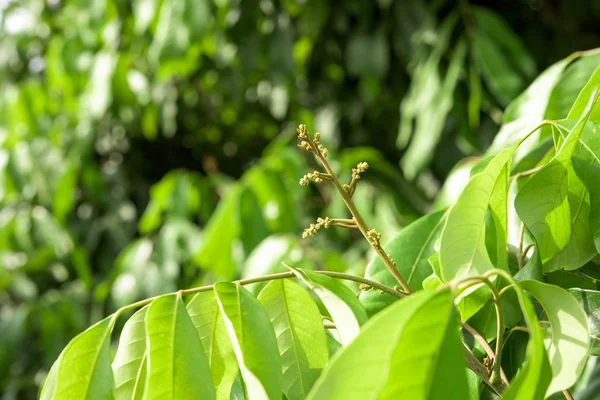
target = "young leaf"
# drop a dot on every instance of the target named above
(410, 249)
(253, 339)
(346, 311)
(300, 335)
(462, 250)
(542, 203)
(410, 350)
(129, 365)
(177, 367)
(567, 339)
(83, 369)
(206, 317)
(589, 300)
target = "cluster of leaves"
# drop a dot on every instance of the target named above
(106, 107)
(536, 301)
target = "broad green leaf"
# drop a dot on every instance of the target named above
(254, 343)
(567, 339)
(346, 311)
(533, 379)
(411, 350)
(462, 250)
(589, 300)
(83, 371)
(130, 363)
(473, 385)
(586, 163)
(300, 335)
(542, 203)
(206, 317)
(580, 248)
(177, 366)
(454, 184)
(253, 227)
(526, 112)
(410, 249)
(580, 104)
(572, 81)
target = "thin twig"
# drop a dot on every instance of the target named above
(567, 394)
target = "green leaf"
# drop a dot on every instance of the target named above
(589, 300)
(526, 112)
(177, 367)
(130, 363)
(411, 350)
(346, 311)
(300, 335)
(534, 377)
(410, 249)
(83, 369)
(254, 343)
(579, 107)
(429, 125)
(567, 339)
(462, 249)
(217, 252)
(542, 203)
(586, 163)
(580, 248)
(206, 317)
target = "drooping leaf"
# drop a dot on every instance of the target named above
(533, 379)
(589, 300)
(177, 366)
(254, 343)
(300, 335)
(409, 350)
(206, 317)
(346, 311)
(410, 249)
(130, 363)
(567, 338)
(83, 371)
(429, 125)
(579, 107)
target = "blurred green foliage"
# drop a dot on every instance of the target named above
(145, 146)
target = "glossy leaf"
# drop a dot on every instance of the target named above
(410, 249)
(462, 249)
(254, 343)
(83, 369)
(206, 317)
(346, 311)
(130, 363)
(300, 335)
(409, 350)
(589, 301)
(177, 367)
(567, 338)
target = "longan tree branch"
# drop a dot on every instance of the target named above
(370, 234)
